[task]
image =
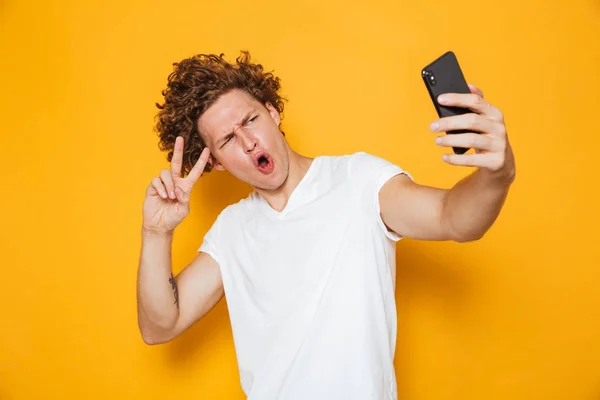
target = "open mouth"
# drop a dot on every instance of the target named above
(264, 163)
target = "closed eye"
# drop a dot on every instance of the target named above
(229, 137)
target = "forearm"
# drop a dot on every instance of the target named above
(474, 203)
(157, 295)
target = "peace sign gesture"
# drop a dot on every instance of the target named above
(167, 200)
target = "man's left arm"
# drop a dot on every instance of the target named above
(467, 210)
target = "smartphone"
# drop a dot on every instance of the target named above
(444, 75)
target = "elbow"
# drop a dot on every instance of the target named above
(149, 340)
(153, 334)
(468, 237)
(464, 236)
(152, 339)
(461, 233)
(156, 329)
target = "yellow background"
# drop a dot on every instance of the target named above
(513, 316)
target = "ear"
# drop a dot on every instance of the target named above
(274, 113)
(215, 164)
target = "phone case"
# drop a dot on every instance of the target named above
(445, 76)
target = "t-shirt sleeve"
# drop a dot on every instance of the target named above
(210, 243)
(370, 173)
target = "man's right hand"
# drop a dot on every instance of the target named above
(167, 200)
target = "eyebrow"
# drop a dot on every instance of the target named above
(242, 122)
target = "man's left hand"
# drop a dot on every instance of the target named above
(492, 148)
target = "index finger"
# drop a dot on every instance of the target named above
(471, 101)
(177, 159)
(198, 169)
(474, 89)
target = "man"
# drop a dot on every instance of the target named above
(307, 260)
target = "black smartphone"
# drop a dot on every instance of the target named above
(444, 75)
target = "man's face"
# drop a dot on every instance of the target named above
(244, 138)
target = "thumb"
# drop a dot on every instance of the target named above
(182, 196)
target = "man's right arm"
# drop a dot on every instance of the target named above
(169, 305)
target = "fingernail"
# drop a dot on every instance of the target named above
(434, 126)
(438, 140)
(442, 98)
(445, 157)
(172, 194)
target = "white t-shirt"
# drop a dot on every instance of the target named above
(308, 289)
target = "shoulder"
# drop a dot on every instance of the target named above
(227, 221)
(352, 163)
(367, 161)
(365, 168)
(243, 206)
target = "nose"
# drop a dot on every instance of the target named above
(248, 140)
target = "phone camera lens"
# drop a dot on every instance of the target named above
(429, 77)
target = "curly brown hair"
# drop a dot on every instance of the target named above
(194, 85)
